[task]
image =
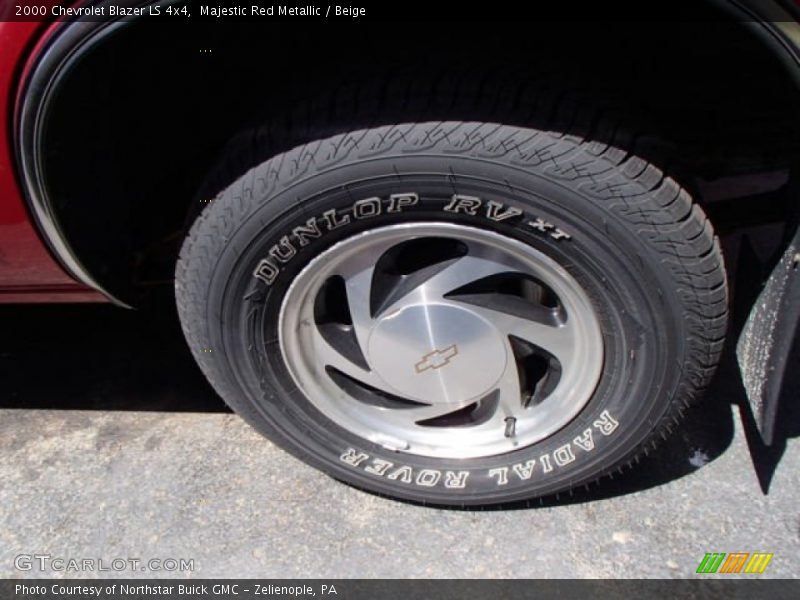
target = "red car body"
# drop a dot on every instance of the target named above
(28, 271)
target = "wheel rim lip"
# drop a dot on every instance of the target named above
(568, 399)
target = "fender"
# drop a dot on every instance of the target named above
(30, 111)
(61, 44)
(28, 271)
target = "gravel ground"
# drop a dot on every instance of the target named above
(113, 450)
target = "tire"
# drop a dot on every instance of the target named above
(305, 289)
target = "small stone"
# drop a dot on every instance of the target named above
(621, 537)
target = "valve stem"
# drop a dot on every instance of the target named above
(511, 425)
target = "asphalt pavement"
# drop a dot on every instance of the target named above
(114, 448)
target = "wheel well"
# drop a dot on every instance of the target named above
(153, 119)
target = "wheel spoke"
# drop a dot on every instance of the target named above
(558, 340)
(413, 416)
(505, 403)
(509, 393)
(357, 274)
(460, 272)
(328, 356)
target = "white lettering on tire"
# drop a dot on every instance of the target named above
(456, 479)
(353, 458)
(606, 424)
(378, 466)
(585, 441)
(403, 474)
(428, 477)
(314, 228)
(562, 456)
(544, 460)
(493, 211)
(397, 202)
(524, 471)
(501, 474)
(302, 233)
(370, 207)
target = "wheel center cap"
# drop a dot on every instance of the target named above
(437, 353)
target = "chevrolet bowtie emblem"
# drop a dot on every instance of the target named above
(436, 359)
